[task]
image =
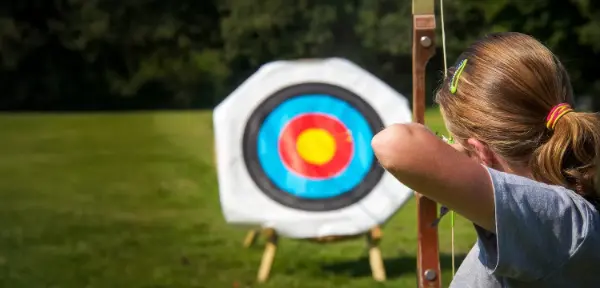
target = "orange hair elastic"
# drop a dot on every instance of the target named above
(556, 113)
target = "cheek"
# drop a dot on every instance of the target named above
(447, 123)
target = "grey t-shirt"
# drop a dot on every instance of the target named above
(546, 236)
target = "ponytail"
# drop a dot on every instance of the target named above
(570, 156)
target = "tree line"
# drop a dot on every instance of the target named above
(151, 54)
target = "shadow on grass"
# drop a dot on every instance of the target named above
(394, 267)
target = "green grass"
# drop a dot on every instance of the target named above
(130, 200)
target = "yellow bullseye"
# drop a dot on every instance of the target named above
(316, 146)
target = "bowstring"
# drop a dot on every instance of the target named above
(444, 39)
(445, 76)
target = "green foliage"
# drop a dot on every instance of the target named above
(103, 54)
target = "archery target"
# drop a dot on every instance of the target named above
(294, 149)
(308, 147)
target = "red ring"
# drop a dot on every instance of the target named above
(293, 161)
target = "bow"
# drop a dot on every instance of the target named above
(423, 48)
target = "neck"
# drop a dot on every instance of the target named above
(515, 169)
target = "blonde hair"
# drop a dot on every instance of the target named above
(504, 94)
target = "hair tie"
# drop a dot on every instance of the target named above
(556, 113)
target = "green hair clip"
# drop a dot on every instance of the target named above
(456, 76)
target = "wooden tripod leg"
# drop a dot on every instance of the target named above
(250, 238)
(268, 256)
(375, 259)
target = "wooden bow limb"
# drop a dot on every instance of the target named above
(423, 48)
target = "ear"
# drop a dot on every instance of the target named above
(481, 152)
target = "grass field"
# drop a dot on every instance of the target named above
(130, 200)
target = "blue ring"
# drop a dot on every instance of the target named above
(292, 183)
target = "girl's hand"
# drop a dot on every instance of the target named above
(457, 146)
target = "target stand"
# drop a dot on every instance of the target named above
(373, 237)
(294, 155)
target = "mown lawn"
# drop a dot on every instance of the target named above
(130, 200)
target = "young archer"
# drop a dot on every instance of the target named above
(522, 169)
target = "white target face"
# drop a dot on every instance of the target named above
(294, 153)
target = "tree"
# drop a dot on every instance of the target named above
(108, 54)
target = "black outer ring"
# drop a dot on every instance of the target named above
(249, 148)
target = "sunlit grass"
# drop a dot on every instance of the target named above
(130, 200)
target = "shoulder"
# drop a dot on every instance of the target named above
(533, 218)
(534, 196)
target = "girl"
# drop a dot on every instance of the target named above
(522, 169)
